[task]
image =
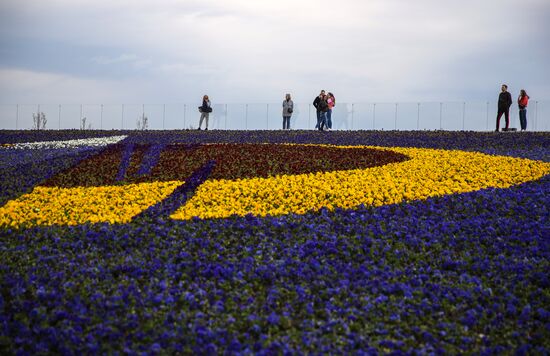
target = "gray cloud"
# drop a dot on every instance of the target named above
(239, 50)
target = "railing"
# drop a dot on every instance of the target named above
(453, 116)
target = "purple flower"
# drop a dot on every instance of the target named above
(273, 319)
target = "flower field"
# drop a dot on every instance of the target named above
(274, 242)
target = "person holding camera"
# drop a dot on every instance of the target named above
(288, 109)
(205, 109)
(321, 105)
(316, 105)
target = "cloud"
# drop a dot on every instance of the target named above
(127, 59)
(242, 50)
(40, 87)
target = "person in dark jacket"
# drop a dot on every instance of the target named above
(504, 103)
(316, 104)
(205, 109)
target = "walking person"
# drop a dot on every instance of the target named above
(288, 109)
(205, 109)
(331, 101)
(504, 103)
(523, 101)
(316, 105)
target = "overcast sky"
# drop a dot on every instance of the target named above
(237, 51)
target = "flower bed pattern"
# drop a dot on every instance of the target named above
(428, 173)
(458, 273)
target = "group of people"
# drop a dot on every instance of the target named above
(325, 102)
(504, 103)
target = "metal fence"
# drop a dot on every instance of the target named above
(452, 116)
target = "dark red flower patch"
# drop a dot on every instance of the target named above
(97, 170)
(237, 161)
(233, 161)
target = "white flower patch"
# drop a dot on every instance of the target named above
(85, 142)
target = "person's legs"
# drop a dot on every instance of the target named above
(322, 120)
(318, 119)
(286, 123)
(203, 115)
(329, 119)
(206, 119)
(507, 118)
(523, 118)
(499, 115)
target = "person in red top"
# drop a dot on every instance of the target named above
(331, 101)
(523, 100)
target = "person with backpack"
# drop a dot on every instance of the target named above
(205, 109)
(504, 103)
(523, 101)
(331, 101)
(321, 106)
(288, 108)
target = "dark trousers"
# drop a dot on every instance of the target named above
(286, 122)
(523, 118)
(322, 120)
(506, 113)
(318, 119)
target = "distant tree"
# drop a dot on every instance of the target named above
(39, 121)
(143, 122)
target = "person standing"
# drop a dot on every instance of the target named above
(523, 101)
(504, 103)
(205, 109)
(288, 109)
(316, 105)
(322, 107)
(331, 101)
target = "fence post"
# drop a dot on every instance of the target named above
(487, 111)
(396, 104)
(163, 115)
(536, 114)
(441, 116)
(17, 116)
(463, 115)
(418, 118)
(352, 114)
(309, 116)
(373, 115)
